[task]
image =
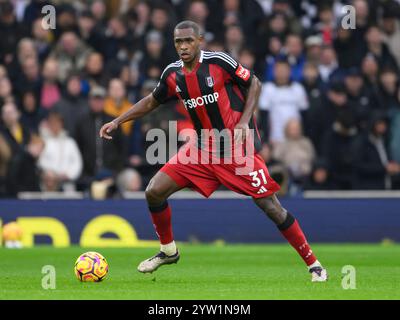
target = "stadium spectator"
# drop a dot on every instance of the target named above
(234, 40)
(286, 7)
(296, 152)
(326, 25)
(349, 52)
(313, 87)
(247, 14)
(283, 99)
(389, 84)
(198, 11)
(272, 36)
(22, 174)
(295, 56)
(14, 132)
(10, 33)
(277, 170)
(313, 46)
(162, 20)
(322, 117)
(71, 54)
(319, 178)
(98, 155)
(94, 73)
(215, 46)
(395, 135)
(87, 31)
(33, 11)
(3, 71)
(42, 38)
(131, 77)
(60, 161)
(364, 18)
(370, 71)
(26, 49)
(374, 165)
(293, 53)
(5, 157)
(94, 14)
(29, 77)
(328, 66)
(391, 29)
(248, 59)
(376, 47)
(72, 103)
(66, 20)
(362, 100)
(129, 180)
(116, 103)
(99, 10)
(143, 11)
(6, 94)
(50, 89)
(154, 55)
(338, 149)
(32, 114)
(117, 41)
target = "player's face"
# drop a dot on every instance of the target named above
(187, 44)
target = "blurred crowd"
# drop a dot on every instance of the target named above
(329, 111)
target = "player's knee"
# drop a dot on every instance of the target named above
(150, 193)
(154, 194)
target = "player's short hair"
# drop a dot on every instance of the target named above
(187, 24)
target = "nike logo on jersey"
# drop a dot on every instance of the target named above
(177, 89)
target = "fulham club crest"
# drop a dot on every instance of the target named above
(210, 81)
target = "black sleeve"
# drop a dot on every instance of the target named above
(162, 93)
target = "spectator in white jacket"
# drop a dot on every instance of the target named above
(284, 100)
(61, 160)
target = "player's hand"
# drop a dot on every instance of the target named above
(106, 129)
(241, 131)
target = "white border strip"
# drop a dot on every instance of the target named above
(50, 195)
(190, 195)
(187, 194)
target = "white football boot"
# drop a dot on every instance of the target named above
(153, 263)
(318, 273)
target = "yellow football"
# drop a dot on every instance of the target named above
(91, 267)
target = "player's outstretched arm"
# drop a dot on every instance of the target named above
(140, 109)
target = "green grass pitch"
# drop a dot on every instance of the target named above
(207, 272)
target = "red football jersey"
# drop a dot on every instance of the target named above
(213, 93)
